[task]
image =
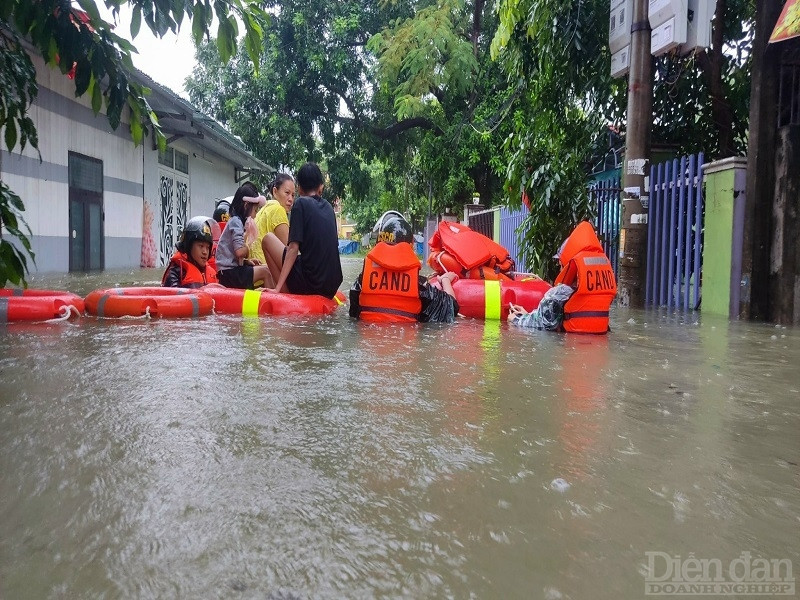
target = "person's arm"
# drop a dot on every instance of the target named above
(448, 279)
(172, 277)
(438, 306)
(355, 294)
(292, 250)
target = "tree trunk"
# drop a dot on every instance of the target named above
(760, 165)
(711, 63)
(784, 266)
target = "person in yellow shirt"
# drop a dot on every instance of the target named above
(273, 216)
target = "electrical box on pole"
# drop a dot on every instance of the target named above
(698, 31)
(621, 62)
(669, 20)
(619, 25)
(619, 36)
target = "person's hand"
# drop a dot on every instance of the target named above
(270, 290)
(253, 262)
(515, 311)
(449, 276)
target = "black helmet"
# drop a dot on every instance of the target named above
(395, 229)
(198, 229)
(223, 210)
(389, 214)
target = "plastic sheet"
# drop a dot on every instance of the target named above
(550, 312)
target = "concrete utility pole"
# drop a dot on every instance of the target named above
(633, 238)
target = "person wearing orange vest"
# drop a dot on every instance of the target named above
(586, 268)
(581, 294)
(390, 288)
(188, 267)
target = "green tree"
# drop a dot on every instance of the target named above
(559, 58)
(78, 40)
(409, 85)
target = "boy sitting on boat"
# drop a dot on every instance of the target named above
(188, 267)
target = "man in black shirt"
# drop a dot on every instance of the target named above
(309, 264)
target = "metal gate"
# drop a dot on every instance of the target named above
(605, 196)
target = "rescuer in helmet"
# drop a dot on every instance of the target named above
(390, 288)
(189, 266)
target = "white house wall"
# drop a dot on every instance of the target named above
(67, 124)
(130, 176)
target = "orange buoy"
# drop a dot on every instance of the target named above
(149, 301)
(490, 299)
(258, 302)
(38, 305)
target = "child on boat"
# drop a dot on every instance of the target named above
(310, 263)
(390, 288)
(189, 266)
(234, 267)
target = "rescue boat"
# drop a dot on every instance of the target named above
(149, 302)
(38, 305)
(490, 300)
(258, 302)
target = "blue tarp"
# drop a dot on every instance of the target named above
(348, 246)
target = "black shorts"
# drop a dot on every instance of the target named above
(237, 277)
(296, 282)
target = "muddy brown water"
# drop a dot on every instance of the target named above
(318, 457)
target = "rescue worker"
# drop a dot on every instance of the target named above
(581, 294)
(390, 288)
(586, 268)
(188, 267)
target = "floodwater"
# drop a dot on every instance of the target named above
(316, 457)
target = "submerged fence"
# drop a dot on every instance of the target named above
(675, 233)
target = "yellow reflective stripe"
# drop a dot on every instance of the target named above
(492, 299)
(250, 302)
(339, 302)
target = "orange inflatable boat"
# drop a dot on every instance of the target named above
(257, 302)
(149, 301)
(489, 300)
(38, 305)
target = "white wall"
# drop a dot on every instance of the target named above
(130, 175)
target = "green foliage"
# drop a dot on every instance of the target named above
(13, 260)
(78, 41)
(394, 96)
(558, 58)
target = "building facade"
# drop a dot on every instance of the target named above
(95, 200)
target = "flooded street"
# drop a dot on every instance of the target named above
(318, 457)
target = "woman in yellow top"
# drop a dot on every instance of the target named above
(273, 217)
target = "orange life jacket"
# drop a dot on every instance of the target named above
(586, 268)
(457, 244)
(390, 284)
(191, 276)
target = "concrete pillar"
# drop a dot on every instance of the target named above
(722, 238)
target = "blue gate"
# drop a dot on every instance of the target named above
(605, 196)
(675, 233)
(509, 223)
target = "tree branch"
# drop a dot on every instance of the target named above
(385, 133)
